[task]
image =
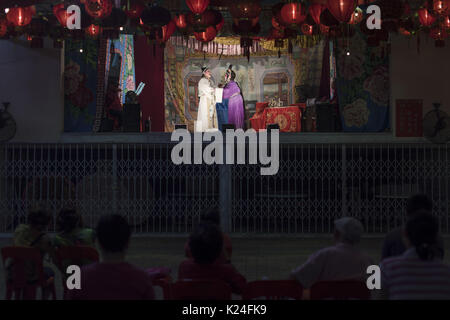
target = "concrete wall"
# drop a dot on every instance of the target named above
(31, 80)
(420, 75)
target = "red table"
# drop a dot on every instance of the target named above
(288, 118)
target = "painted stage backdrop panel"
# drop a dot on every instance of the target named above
(120, 66)
(80, 85)
(81, 78)
(362, 85)
(264, 77)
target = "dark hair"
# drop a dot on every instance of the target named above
(206, 243)
(113, 233)
(422, 231)
(38, 218)
(231, 72)
(68, 219)
(212, 216)
(418, 202)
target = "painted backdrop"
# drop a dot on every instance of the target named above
(264, 77)
(80, 85)
(362, 85)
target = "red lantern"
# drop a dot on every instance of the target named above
(98, 8)
(61, 14)
(93, 31)
(446, 23)
(342, 10)
(441, 6)
(20, 16)
(208, 35)
(291, 13)
(3, 27)
(315, 10)
(167, 31)
(307, 29)
(197, 6)
(134, 9)
(425, 18)
(180, 21)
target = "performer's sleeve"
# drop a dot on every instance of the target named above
(204, 87)
(227, 92)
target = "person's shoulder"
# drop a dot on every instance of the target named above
(394, 234)
(392, 261)
(21, 228)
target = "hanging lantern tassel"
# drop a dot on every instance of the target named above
(290, 46)
(279, 53)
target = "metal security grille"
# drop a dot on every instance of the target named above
(315, 184)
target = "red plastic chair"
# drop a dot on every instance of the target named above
(165, 285)
(273, 290)
(200, 290)
(74, 255)
(340, 290)
(18, 284)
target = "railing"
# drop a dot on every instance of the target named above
(316, 183)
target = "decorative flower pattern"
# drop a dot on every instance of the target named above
(130, 85)
(377, 85)
(72, 78)
(356, 114)
(352, 66)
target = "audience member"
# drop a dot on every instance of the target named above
(343, 261)
(213, 216)
(206, 245)
(113, 278)
(33, 234)
(70, 229)
(393, 244)
(418, 273)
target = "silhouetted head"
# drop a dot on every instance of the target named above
(212, 216)
(38, 219)
(421, 232)
(348, 230)
(418, 202)
(68, 219)
(206, 243)
(113, 233)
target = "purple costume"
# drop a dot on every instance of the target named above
(235, 104)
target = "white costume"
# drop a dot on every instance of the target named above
(207, 116)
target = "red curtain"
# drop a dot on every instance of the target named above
(149, 66)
